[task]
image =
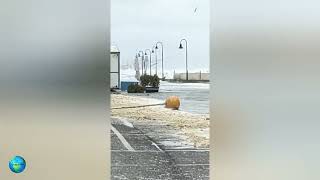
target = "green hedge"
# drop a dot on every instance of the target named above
(147, 80)
(135, 88)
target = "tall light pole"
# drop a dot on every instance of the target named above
(142, 58)
(161, 55)
(136, 67)
(154, 51)
(150, 59)
(181, 47)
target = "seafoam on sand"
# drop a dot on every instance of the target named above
(194, 126)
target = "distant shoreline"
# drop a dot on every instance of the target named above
(187, 81)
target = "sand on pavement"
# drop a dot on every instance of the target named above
(194, 126)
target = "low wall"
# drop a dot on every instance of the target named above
(192, 76)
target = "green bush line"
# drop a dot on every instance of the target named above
(147, 80)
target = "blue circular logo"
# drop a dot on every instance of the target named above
(17, 164)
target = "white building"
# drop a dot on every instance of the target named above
(114, 67)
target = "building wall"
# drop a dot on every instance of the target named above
(114, 71)
(192, 76)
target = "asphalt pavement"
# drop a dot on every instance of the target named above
(142, 150)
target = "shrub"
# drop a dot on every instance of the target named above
(135, 88)
(155, 81)
(147, 80)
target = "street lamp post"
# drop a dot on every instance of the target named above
(181, 47)
(161, 55)
(150, 59)
(142, 60)
(154, 51)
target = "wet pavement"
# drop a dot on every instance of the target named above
(189, 93)
(141, 150)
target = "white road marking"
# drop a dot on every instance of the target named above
(138, 151)
(122, 139)
(126, 122)
(188, 150)
(153, 151)
(177, 148)
(154, 144)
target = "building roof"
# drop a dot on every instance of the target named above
(114, 49)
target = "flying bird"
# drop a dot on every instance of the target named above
(196, 4)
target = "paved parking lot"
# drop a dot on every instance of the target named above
(152, 151)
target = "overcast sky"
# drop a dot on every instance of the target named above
(139, 24)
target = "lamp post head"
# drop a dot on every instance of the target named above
(180, 47)
(156, 46)
(152, 51)
(145, 53)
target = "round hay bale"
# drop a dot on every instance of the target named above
(172, 102)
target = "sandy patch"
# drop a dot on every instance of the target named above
(194, 126)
